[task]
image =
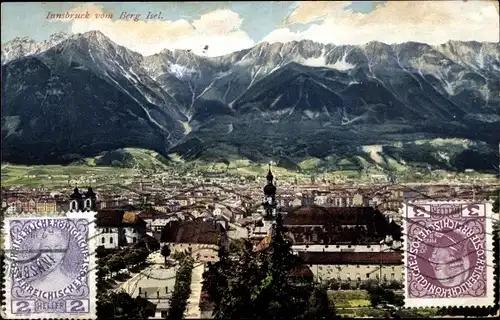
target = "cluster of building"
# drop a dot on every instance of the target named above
(175, 194)
(343, 234)
(35, 200)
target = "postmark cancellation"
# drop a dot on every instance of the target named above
(448, 256)
(50, 270)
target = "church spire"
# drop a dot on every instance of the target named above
(270, 196)
(269, 176)
(76, 200)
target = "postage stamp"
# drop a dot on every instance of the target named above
(49, 270)
(448, 256)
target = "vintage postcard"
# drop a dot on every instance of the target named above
(345, 152)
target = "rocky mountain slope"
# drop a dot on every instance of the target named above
(21, 47)
(287, 101)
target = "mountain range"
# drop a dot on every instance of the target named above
(77, 96)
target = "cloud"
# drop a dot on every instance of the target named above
(220, 22)
(308, 11)
(220, 30)
(282, 35)
(431, 22)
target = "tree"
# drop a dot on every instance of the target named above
(100, 252)
(182, 289)
(102, 272)
(179, 255)
(383, 294)
(236, 246)
(496, 203)
(130, 258)
(142, 255)
(333, 284)
(395, 285)
(115, 263)
(280, 296)
(119, 305)
(368, 284)
(233, 283)
(319, 306)
(165, 252)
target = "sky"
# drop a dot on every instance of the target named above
(230, 26)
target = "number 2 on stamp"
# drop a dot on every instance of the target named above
(472, 210)
(418, 211)
(23, 306)
(77, 305)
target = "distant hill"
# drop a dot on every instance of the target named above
(128, 158)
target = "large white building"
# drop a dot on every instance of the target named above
(114, 228)
(118, 228)
(355, 266)
(345, 243)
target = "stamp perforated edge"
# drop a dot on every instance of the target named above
(92, 273)
(489, 300)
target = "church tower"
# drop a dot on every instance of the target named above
(90, 202)
(82, 202)
(270, 197)
(76, 200)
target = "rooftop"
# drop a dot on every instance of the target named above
(318, 215)
(109, 218)
(302, 271)
(131, 218)
(336, 225)
(116, 218)
(196, 231)
(153, 215)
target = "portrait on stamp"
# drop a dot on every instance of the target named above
(50, 268)
(447, 256)
(62, 258)
(451, 257)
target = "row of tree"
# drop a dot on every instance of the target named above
(120, 305)
(113, 304)
(383, 294)
(335, 284)
(182, 289)
(128, 258)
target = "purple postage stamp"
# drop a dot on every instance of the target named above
(50, 268)
(448, 256)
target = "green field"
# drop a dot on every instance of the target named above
(114, 167)
(60, 176)
(108, 169)
(349, 298)
(356, 303)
